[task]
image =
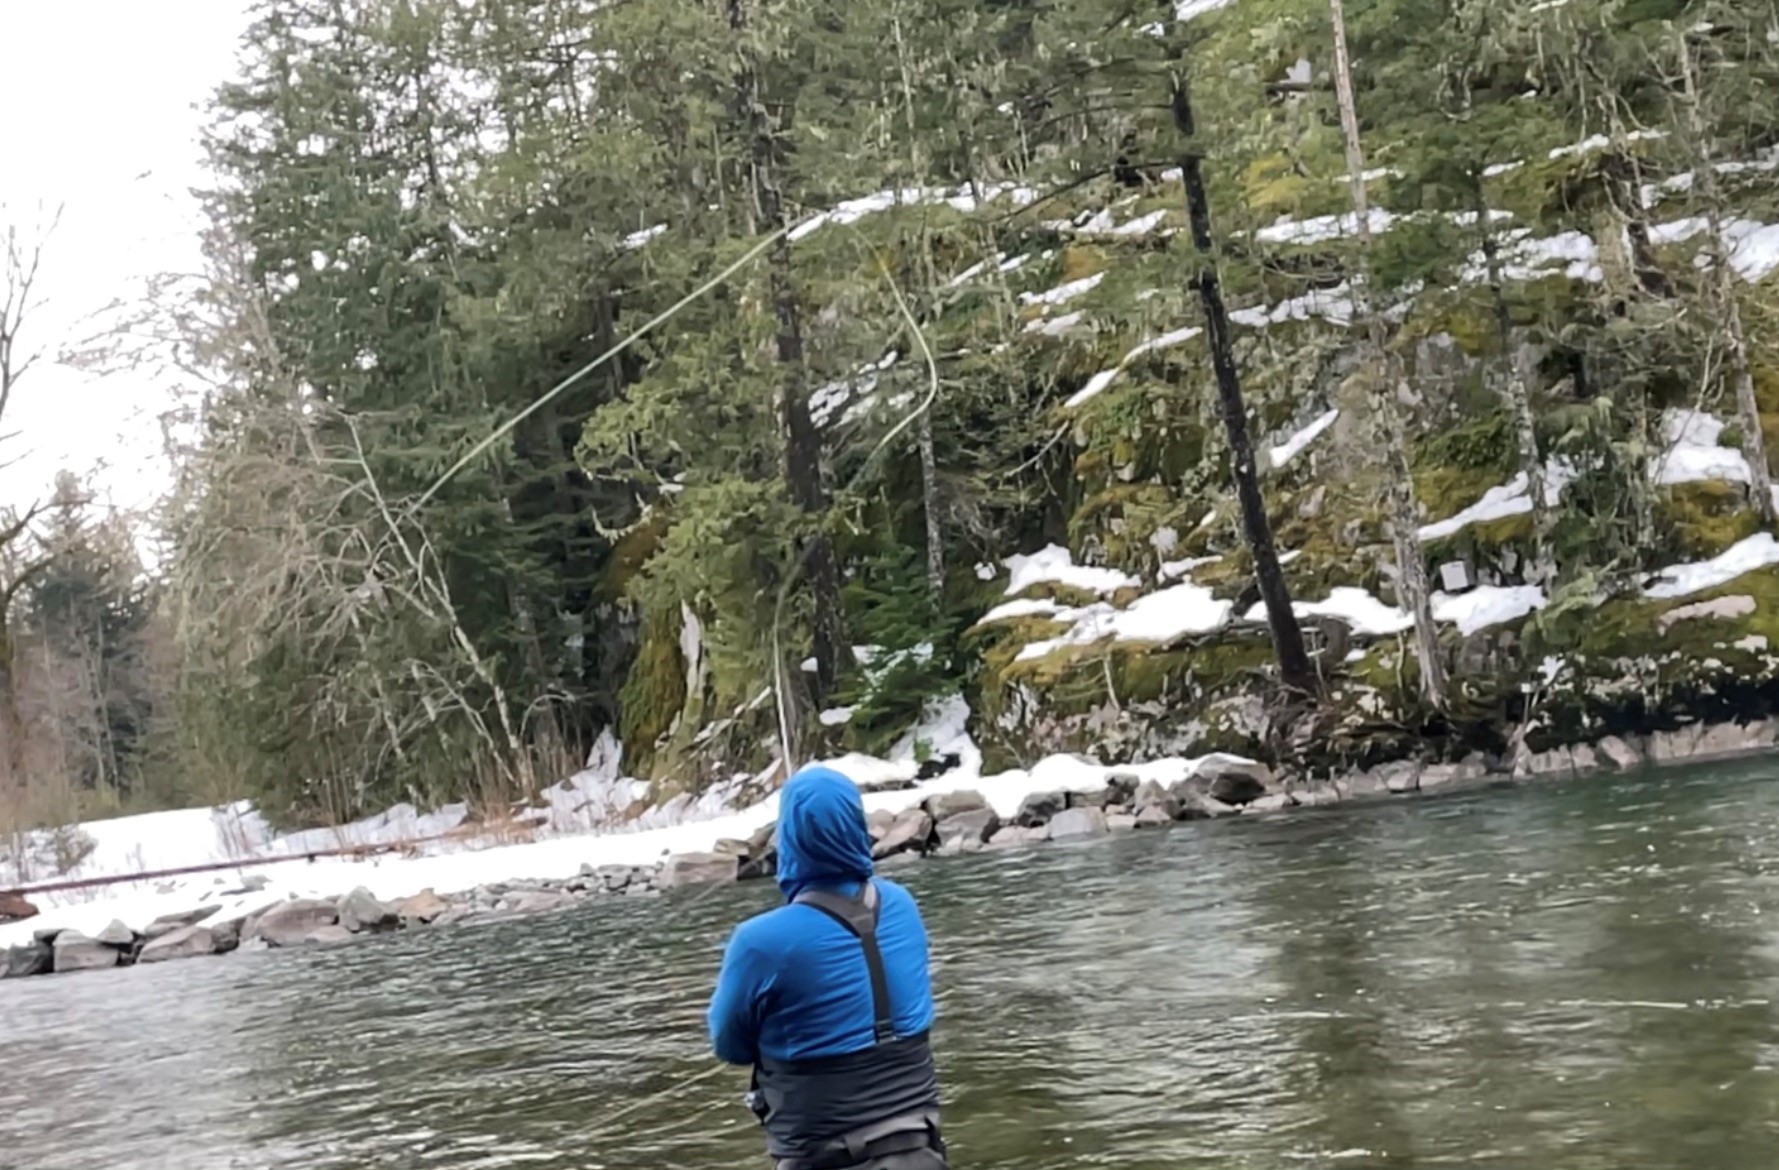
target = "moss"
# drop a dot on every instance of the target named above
(1121, 519)
(654, 692)
(1080, 261)
(1699, 520)
(630, 553)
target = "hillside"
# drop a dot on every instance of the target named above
(953, 424)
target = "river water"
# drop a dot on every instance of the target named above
(1570, 976)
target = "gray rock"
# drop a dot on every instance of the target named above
(361, 911)
(253, 883)
(1317, 795)
(1702, 741)
(184, 942)
(117, 935)
(880, 822)
(613, 877)
(1089, 797)
(168, 923)
(540, 901)
(333, 933)
(698, 869)
(973, 826)
(1620, 753)
(1077, 824)
(288, 923)
(226, 935)
(1439, 775)
(1399, 775)
(1120, 822)
(731, 846)
(955, 847)
(421, 908)
(910, 831)
(32, 958)
(1234, 781)
(1199, 806)
(454, 915)
(1152, 796)
(1012, 836)
(46, 934)
(1038, 807)
(1271, 803)
(76, 952)
(1153, 817)
(945, 805)
(1121, 787)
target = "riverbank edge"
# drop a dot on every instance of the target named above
(947, 824)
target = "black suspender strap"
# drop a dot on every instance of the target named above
(859, 916)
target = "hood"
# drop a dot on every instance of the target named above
(822, 838)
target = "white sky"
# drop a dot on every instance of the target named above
(102, 104)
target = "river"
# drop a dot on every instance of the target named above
(1578, 975)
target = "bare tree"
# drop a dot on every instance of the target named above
(1385, 412)
(19, 561)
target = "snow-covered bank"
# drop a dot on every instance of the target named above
(234, 834)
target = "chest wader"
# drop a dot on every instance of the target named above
(837, 1112)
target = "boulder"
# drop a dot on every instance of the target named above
(76, 952)
(1150, 796)
(1620, 753)
(1439, 775)
(1399, 776)
(362, 911)
(731, 846)
(253, 883)
(1271, 803)
(762, 853)
(32, 958)
(1706, 741)
(1198, 806)
(1009, 836)
(287, 923)
(333, 933)
(1153, 816)
(168, 923)
(880, 822)
(540, 901)
(1120, 822)
(612, 877)
(911, 831)
(1121, 788)
(117, 935)
(698, 869)
(971, 827)
(1077, 824)
(1089, 797)
(420, 908)
(227, 935)
(14, 908)
(1038, 807)
(1233, 780)
(1316, 796)
(184, 942)
(945, 805)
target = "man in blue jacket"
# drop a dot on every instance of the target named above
(827, 998)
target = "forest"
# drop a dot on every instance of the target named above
(1322, 380)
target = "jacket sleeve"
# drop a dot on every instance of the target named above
(734, 1015)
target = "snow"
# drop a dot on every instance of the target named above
(1140, 226)
(1486, 605)
(1020, 607)
(189, 836)
(1600, 142)
(1510, 499)
(1063, 293)
(1693, 452)
(637, 239)
(1054, 326)
(1105, 378)
(1288, 450)
(835, 716)
(1160, 616)
(850, 211)
(1054, 565)
(1334, 305)
(1173, 569)
(1745, 556)
(1187, 9)
(1480, 608)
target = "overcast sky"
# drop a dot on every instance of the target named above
(102, 103)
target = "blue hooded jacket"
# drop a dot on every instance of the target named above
(794, 984)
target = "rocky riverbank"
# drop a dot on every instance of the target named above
(946, 824)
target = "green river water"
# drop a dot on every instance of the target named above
(1574, 976)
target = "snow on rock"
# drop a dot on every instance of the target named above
(1334, 305)
(1288, 450)
(1105, 378)
(1063, 293)
(1054, 565)
(637, 239)
(1187, 9)
(1155, 617)
(961, 198)
(835, 716)
(1054, 326)
(1745, 556)
(1598, 142)
(1021, 607)
(1694, 453)
(1364, 614)
(1510, 499)
(1486, 605)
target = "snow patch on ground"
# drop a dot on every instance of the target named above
(1293, 446)
(1053, 564)
(1105, 378)
(1745, 556)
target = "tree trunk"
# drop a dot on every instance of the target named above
(802, 462)
(12, 719)
(1386, 416)
(1294, 663)
(1754, 446)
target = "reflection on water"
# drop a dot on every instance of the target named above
(1578, 976)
